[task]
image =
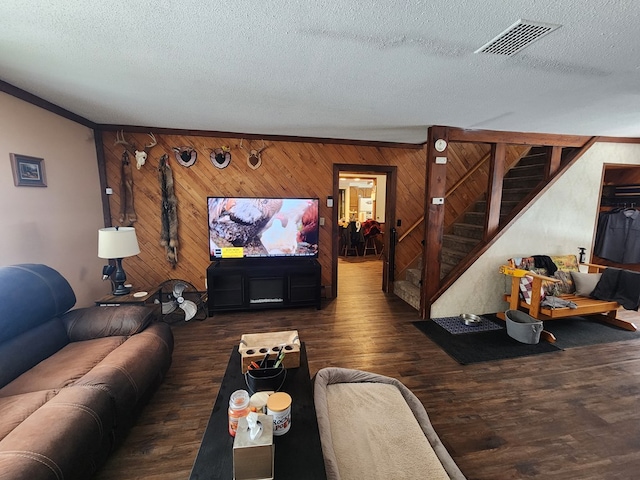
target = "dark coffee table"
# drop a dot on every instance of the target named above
(298, 453)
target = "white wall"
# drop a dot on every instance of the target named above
(57, 225)
(381, 198)
(558, 223)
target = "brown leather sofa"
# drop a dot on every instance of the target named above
(71, 381)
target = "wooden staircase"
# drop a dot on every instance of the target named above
(468, 233)
(452, 247)
(518, 183)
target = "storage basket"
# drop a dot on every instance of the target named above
(522, 327)
(254, 346)
(268, 379)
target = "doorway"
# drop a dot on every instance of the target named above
(365, 199)
(362, 197)
(619, 194)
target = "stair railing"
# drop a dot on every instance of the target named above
(470, 172)
(415, 225)
(460, 181)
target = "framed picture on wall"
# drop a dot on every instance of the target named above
(28, 171)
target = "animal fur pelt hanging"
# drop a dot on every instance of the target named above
(127, 212)
(169, 233)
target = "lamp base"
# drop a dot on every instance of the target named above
(120, 289)
(119, 278)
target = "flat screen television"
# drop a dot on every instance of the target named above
(247, 227)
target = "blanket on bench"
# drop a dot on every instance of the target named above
(622, 286)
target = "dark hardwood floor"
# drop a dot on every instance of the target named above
(568, 415)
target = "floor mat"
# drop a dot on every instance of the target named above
(482, 346)
(574, 332)
(495, 344)
(456, 326)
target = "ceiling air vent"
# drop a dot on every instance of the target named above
(518, 36)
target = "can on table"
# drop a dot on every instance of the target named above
(279, 407)
(258, 402)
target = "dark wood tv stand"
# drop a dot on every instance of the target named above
(258, 283)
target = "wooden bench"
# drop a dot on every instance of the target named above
(604, 310)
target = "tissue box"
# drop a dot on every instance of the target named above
(254, 346)
(253, 459)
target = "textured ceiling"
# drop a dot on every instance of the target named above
(365, 70)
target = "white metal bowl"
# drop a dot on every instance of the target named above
(470, 319)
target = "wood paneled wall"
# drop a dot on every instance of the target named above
(289, 169)
(616, 174)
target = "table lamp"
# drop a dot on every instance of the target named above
(116, 243)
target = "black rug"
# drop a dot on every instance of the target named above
(482, 346)
(497, 345)
(581, 331)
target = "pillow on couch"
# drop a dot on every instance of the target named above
(98, 322)
(585, 282)
(567, 263)
(564, 286)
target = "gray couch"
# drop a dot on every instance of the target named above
(71, 381)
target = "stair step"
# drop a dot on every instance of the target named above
(468, 230)
(407, 292)
(535, 162)
(522, 182)
(462, 244)
(509, 196)
(480, 206)
(536, 154)
(474, 218)
(449, 260)
(515, 194)
(451, 257)
(507, 206)
(445, 268)
(414, 276)
(526, 170)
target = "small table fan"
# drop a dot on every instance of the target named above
(175, 296)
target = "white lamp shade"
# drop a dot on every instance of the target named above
(117, 242)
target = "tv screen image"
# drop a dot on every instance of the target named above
(262, 227)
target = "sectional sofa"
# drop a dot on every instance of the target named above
(72, 381)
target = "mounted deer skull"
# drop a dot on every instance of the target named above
(255, 159)
(141, 155)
